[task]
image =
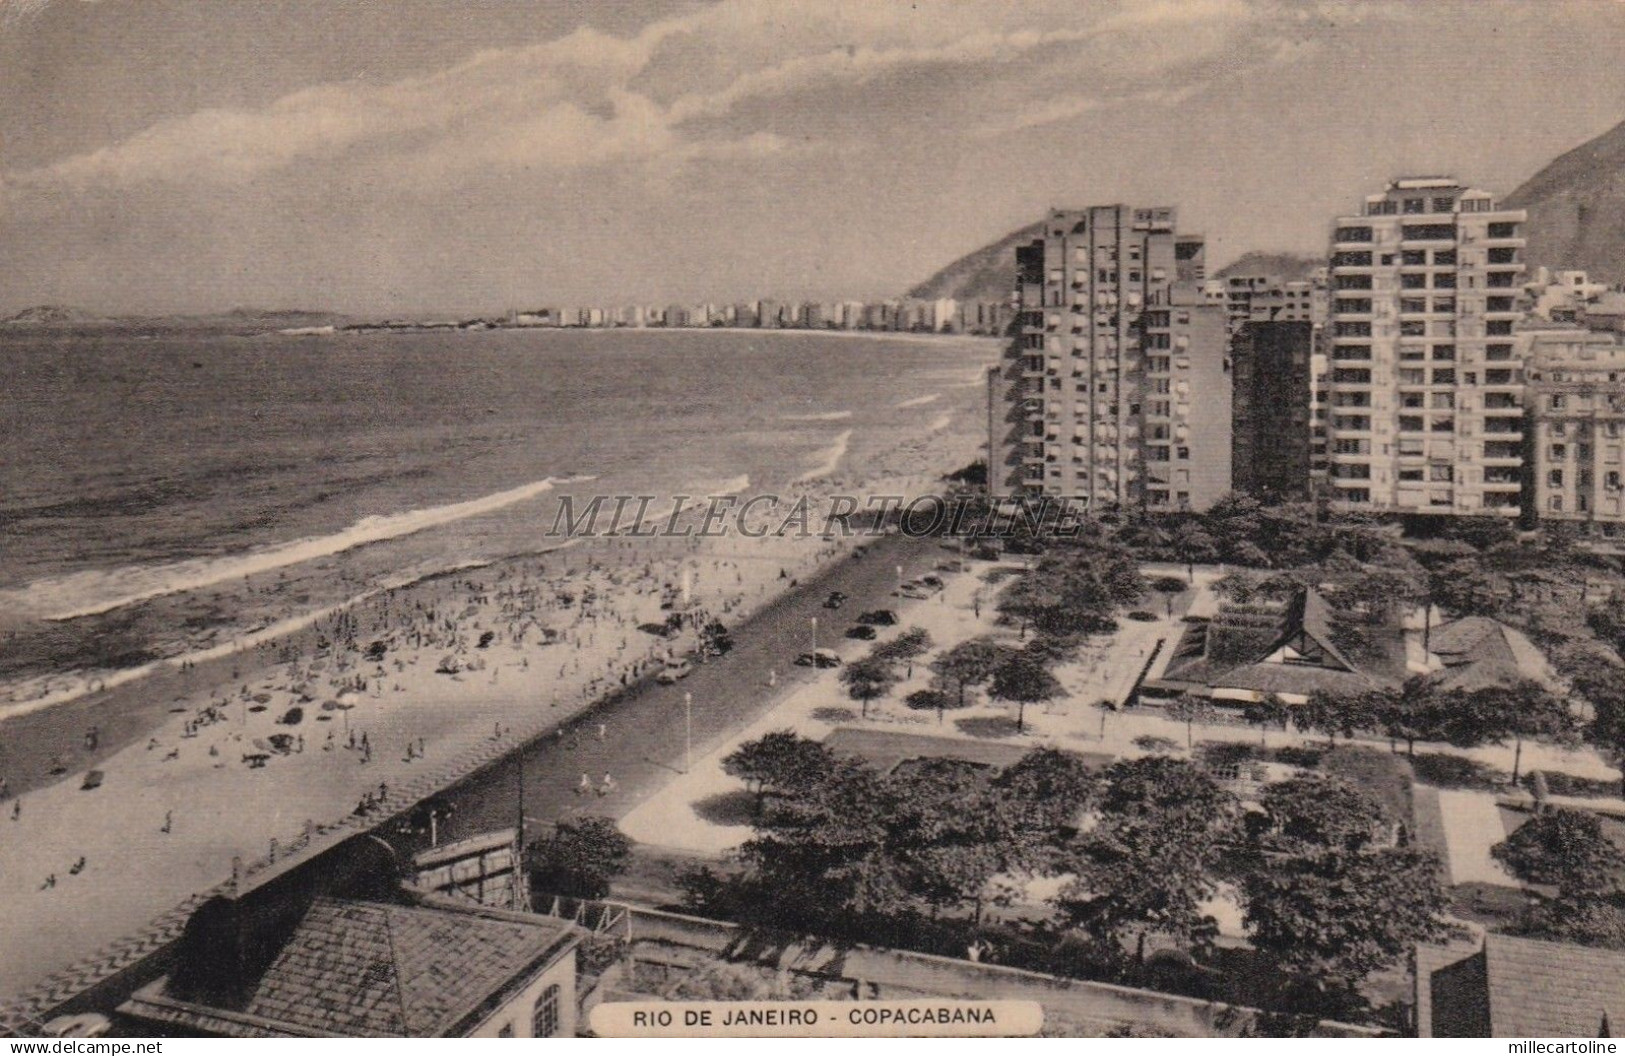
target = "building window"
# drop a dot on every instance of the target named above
(1503, 230)
(1554, 479)
(1610, 480)
(1557, 503)
(545, 1022)
(1558, 401)
(1444, 256)
(1560, 452)
(1415, 205)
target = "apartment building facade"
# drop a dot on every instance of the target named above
(1575, 391)
(1424, 389)
(1116, 389)
(1272, 367)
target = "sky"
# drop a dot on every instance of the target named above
(470, 156)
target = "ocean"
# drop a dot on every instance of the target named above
(139, 468)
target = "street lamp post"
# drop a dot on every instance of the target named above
(688, 732)
(899, 580)
(815, 640)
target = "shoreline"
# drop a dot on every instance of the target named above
(427, 714)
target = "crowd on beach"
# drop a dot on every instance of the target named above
(353, 703)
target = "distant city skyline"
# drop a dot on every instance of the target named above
(480, 156)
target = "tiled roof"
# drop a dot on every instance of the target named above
(1514, 987)
(1552, 989)
(380, 969)
(1478, 653)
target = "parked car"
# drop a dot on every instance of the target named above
(934, 582)
(835, 600)
(1142, 616)
(862, 632)
(879, 618)
(819, 658)
(674, 672)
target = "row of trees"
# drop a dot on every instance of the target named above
(1144, 844)
(1420, 710)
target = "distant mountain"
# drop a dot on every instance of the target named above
(50, 315)
(1577, 209)
(986, 274)
(1288, 266)
(239, 320)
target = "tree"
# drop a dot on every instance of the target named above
(930, 699)
(905, 648)
(1336, 916)
(970, 663)
(1321, 813)
(580, 859)
(1194, 546)
(1169, 587)
(1600, 679)
(1466, 588)
(1418, 710)
(1147, 865)
(1564, 848)
(782, 761)
(1334, 714)
(868, 679)
(1269, 711)
(826, 841)
(945, 834)
(1023, 680)
(1041, 798)
(1190, 710)
(1524, 709)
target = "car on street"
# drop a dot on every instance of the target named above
(879, 618)
(862, 632)
(819, 658)
(674, 672)
(835, 600)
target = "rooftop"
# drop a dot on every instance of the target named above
(377, 969)
(1516, 987)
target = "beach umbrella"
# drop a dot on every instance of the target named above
(262, 698)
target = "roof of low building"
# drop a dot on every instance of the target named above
(1480, 653)
(1519, 987)
(380, 969)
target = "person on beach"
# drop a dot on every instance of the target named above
(17, 810)
(169, 819)
(584, 785)
(608, 786)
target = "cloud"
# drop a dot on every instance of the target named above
(591, 98)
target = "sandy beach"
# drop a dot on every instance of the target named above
(321, 714)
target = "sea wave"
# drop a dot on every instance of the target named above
(941, 422)
(92, 592)
(829, 459)
(733, 486)
(919, 401)
(822, 416)
(29, 695)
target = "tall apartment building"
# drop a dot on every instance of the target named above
(1424, 387)
(1576, 422)
(1271, 445)
(1116, 391)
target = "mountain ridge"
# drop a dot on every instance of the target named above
(1576, 207)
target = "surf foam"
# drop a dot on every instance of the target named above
(91, 593)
